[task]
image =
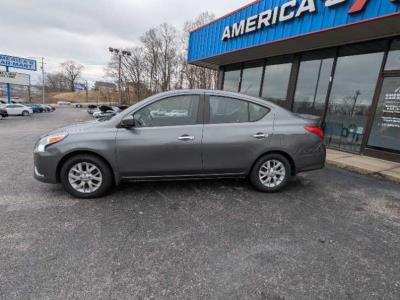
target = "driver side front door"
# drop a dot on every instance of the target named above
(166, 140)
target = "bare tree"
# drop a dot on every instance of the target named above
(160, 63)
(152, 47)
(198, 77)
(135, 72)
(56, 82)
(72, 71)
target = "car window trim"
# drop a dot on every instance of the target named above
(200, 109)
(207, 107)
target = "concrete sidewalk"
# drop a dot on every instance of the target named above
(364, 165)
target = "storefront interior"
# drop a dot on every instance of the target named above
(354, 89)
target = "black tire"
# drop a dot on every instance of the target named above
(25, 113)
(256, 180)
(106, 172)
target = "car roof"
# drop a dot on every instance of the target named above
(221, 94)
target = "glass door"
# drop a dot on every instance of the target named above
(350, 100)
(385, 132)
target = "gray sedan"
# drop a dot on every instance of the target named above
(182, 135)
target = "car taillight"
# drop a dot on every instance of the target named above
(315, 130)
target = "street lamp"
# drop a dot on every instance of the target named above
(120, 54)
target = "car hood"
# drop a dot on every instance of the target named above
(75, 128)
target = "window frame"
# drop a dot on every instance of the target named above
(199, 114)
(207, 109)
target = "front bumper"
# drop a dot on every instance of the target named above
(45, 167)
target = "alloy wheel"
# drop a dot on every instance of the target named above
(85, 177)
(272, 173)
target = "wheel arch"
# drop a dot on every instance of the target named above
(284, 154)
(83, 152)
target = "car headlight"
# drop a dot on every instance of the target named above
(50, 140)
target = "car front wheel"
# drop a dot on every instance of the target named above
(86, 176)
(270, 173)
(25, 113)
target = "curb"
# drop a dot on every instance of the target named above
(363, 171)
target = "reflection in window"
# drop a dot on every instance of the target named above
(350, 100)
(312, 86)
(251, 81)
(393, 60)
(231, 81)
(386, 128)
(257, 112)
(173, 111)
(228, 110)
(276, 82)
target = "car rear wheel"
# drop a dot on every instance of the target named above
(25, 113)
(86, 176)
(270, 173)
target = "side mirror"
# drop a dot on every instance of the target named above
(128, 122)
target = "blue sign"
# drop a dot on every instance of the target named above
(18, 62)
(267, 21)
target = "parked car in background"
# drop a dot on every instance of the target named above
(92, 109)
(64, 103)
(36, 108)
(18, 109)
(47, 108)
(194, 134)
(106, 112)
(3, 113)
(50, 108)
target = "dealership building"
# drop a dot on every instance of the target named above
(337, 59)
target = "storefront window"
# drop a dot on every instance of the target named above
(386, 128)
(312, 86)
(231, 80)
(393, 60)
(276, 82)
(251, 80)
(350, 100)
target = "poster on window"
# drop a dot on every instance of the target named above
(391, 110)
(385, 131)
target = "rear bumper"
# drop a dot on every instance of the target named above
(314, 160)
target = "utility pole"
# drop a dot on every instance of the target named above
(43, 88)
(87, 91)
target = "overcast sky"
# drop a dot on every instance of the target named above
(82, 30)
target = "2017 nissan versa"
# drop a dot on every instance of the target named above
(180, 135)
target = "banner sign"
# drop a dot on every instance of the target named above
(14, 78)
(18, 62)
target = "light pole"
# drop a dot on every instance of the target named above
(43, 88)
(120, 54)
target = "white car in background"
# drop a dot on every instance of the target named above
(17, 109)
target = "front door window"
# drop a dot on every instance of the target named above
(173, 111)
(385, 132)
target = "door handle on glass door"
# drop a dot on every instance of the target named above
(186, 137)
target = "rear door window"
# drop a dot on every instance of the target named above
(225, 110)
(228, 110)
(257, 112)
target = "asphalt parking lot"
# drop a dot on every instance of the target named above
(330, 235)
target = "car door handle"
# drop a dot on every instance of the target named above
(260, 135)
(186, 137)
